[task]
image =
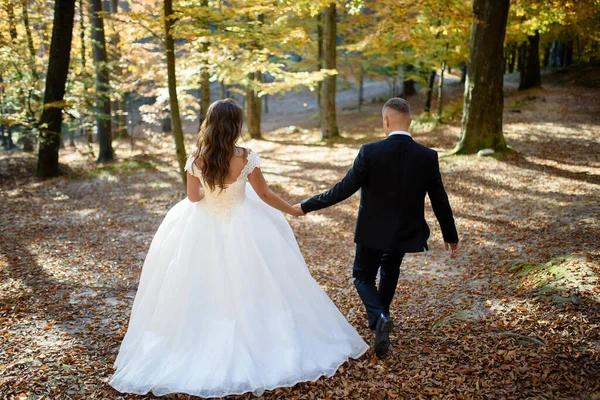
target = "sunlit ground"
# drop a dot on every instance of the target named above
(516, 315)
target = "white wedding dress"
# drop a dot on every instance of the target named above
(226, 304)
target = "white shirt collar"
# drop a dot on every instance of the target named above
(399, 133)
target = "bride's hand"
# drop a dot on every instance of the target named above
(298, 212)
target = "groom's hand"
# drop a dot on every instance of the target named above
(299, 209)
(453, 247)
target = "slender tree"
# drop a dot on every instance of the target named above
(440, 99)
(319, 61)
(253, 106)
(58, 68)
(12, 25)
(103, 124)
(484, 95)
(361, 88)
(530, 75)
(28, 138)
(429, 92)
(83, 126)
(204, 74)
(253, 102)
(511, 58)
(175, 116)
(120, 119)
(329, 128)
(408, 85)
(30, 45)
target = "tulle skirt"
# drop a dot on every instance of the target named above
(226, 305)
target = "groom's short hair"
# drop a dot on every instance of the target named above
(398, 104)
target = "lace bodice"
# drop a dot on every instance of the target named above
(221, 201)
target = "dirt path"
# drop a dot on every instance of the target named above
(488, 324)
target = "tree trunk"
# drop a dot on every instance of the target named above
(429, 93)
(82, 36)
(329, 128)
(361, 89)
(568, 53)
(266, 97)
(58, 68)
(253, 106)
(520, 58)
(530, 76)
(3, 135)
(12, 24)
(11, 143)
(408, 86)
(204, 75)
(102, 109)
(319, 62)
(511, 59)
(484, 95)
(120, 118)
(72, 136)
(440, 98)
(205, 91)
(84, 129)
(28, 135)
(176, 118)
(463, 73)
(30, 44)
(546, 60)
(557, 54)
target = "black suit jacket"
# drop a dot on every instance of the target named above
(394, 175)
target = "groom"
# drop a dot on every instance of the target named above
(394, 175)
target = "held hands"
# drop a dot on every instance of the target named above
(453, 247)
(298, 212)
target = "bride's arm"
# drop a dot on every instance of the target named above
(257, 180)
(195, 192)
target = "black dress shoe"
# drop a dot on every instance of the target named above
(382, 335)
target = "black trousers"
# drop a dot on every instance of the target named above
(366, 264)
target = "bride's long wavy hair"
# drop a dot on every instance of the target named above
(218, 135)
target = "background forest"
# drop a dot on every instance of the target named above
(123, 65)
(100, 101)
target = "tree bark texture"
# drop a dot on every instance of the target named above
(329, 128)
(103, 116)
(58, 68)
(204, 76)
(319, 61)
(512, 57)
(429, 93)
(28, 137)
(440, 98)
(120, 105)
(253, 106)
(361, 89)
(484, 94)
(530, 75)
(172, 82)
(408, 86)
(12, 24)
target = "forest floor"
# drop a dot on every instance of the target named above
(515, 315)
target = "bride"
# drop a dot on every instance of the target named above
(225, 303)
